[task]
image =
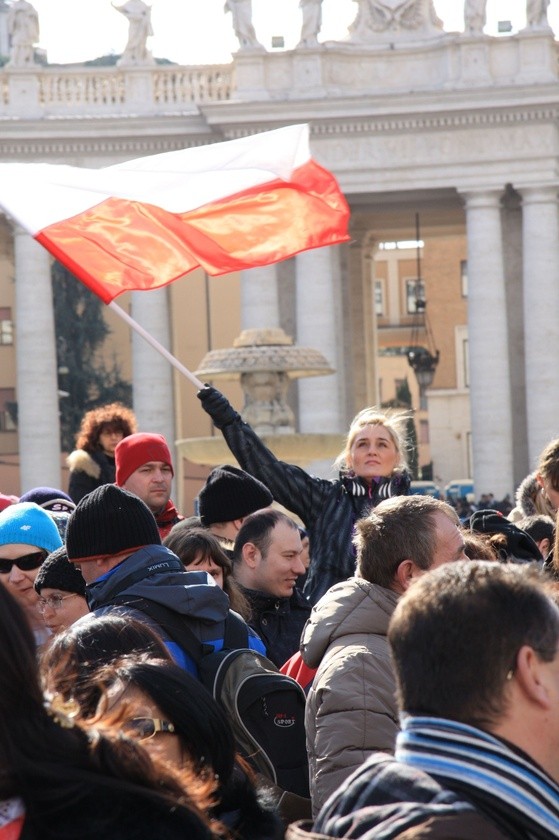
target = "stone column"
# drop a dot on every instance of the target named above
(259, 298)
(317, 274)
(490, 397)
(37, 381)
(540, 230)
(152, 373)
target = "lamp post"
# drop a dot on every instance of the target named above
(424, 364)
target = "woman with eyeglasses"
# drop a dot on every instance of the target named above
(27, 535)
(60, 779)
(177, 719)
(61, 589)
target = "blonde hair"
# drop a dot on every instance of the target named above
(393, 421)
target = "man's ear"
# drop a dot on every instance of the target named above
(251, 555)
(404, 575)
(532, 675)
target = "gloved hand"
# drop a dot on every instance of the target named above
(217, 406)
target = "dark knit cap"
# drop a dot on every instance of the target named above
(49, 498)
(56, 572)
(107, 521)
(231, 493)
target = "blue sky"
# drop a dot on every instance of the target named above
(198, 31)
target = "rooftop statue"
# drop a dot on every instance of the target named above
(23, 29)
(536, 14)
(380, 20)
(312, 21)
(475, 16)
(139, 30)
(241, 11)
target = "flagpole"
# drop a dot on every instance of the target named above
(154, 343)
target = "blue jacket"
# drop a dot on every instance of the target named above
(155, 574)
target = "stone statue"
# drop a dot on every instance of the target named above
(23, 29)
(312, 21)
(394, 17)
(536, 14)
(475, 16)
(139, 30)
(241, 10)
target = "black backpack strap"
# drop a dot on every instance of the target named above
(236, 632)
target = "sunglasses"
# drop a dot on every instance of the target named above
(26, 563)
(146, 727)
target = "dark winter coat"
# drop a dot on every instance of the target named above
(386, 800)
(88, 470)
(155, 574)
(328, 508)
(278, 621)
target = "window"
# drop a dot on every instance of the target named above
(7, 395)
(379, 297)
(415, 290)
(464, 277)
(6, 326)
(466, 362)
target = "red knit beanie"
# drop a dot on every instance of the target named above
(135, 450)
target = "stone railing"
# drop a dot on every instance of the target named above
(37, 92)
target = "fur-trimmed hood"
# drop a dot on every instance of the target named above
(530, 500)
(81, 461)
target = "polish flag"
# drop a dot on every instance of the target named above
(145, 223)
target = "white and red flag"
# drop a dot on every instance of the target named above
(145, 223)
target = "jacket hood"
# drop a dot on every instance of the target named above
(352, 607)
(530, 500)
(155, 573)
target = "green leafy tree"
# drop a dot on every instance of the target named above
(84, 377)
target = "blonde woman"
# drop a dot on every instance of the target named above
(372, 467)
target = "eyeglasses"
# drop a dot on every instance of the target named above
(145, 727)
(26, 563)
(53, 601)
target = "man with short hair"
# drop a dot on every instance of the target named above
(266, 565)
(226, 499)
(351, 708)
(144, 467)
(476, 653)
(113, 538)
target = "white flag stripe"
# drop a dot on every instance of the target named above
(175, 181)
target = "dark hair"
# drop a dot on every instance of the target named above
(456, 633)
(189, 543)
(205, 734)
(63, 771)
(70, 660)
(114, 416)
(539, 527)
(257, 528)
(398, 529)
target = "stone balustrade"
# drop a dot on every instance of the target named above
(38, 92)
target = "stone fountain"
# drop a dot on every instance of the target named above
(265, 360)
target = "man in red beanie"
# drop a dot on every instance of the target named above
(144, 467)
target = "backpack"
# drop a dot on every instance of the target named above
(266, 708)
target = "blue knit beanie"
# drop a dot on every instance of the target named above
(28, 524)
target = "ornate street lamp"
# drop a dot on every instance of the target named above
(422, 360)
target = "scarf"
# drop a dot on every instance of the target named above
(484, 767)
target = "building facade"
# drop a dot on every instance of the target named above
(460, 129)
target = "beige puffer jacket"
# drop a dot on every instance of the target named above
(351, 708)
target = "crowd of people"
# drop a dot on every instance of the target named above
(424, 642)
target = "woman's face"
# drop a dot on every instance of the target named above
(141, 711)
(204, 563)
(60, 609)
(109, 436)
(373, 453)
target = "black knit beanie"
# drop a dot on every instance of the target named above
(56, 572)
(107, 521)
(231, 493)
